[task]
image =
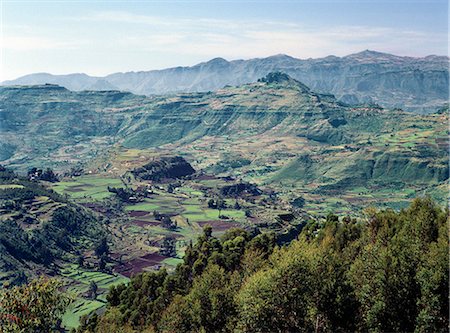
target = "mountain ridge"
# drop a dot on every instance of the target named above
(414, 84)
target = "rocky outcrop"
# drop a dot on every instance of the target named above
(164, 168)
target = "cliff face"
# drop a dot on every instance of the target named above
(414, 84)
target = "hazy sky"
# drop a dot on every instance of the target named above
(101, 37)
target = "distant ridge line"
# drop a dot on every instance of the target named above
(417, 84)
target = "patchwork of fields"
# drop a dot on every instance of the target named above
(136, 235)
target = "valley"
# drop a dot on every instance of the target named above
(150, 173)
(144, 232)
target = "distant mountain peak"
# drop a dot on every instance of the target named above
(281, 56)
(282, 78)
(368, 52)
(373, 55)
(217, 61)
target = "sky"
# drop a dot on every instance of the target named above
(103, 37)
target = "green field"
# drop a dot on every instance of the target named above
(87, 188)
(81, 307)
(147, 205)
(7, 186)
(78, 280)
(197, 213)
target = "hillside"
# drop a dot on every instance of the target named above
(39, 228)
(274, 131)
(414, 84)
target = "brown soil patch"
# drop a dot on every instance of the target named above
(442, 143)
(137, 213)
(205, 177)
(95, 207)
(137, 265)
(218, 226)
(353, 200)
(154, 257)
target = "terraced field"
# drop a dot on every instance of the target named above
(78, 280)
(6, 186)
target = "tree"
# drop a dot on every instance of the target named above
(207, 231)
(93, 288)
(157, 215)
(274, 300)
(49, 175)
(113, 296)
(177, 317)
(237, 205)
(211, 300)
(220, 203)
(433, 279)
(102, 262)
(171, 188)
(212, 204)
(80, 260)
(102, 247)
(392, 274)
(167, 223)
(168, 247)
(298, 202)
(36, 307)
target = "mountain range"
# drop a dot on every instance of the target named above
(413, 84)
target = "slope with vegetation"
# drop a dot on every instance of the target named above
(36, 307)
(45, 233)
(388, 273)
(39, 227)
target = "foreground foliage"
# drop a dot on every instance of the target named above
(389, 274)
(36, 307)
